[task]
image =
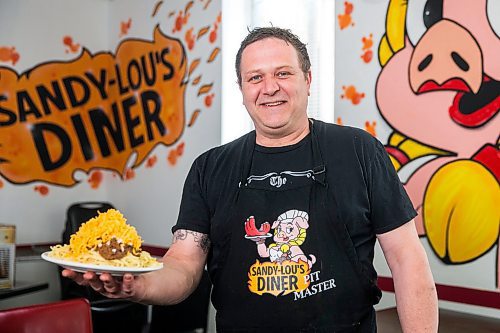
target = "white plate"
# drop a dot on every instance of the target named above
(256, 237)
(113, 270)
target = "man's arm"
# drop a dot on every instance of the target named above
(416, 296)
(183, 266)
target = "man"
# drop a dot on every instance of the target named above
(286, 217)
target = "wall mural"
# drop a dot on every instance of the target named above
(439, 91)
(94, 112)
(422, 76)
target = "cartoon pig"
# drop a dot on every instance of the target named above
(289, 235)
(439, 90)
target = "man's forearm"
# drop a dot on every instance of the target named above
(170, 285)
(416, 297)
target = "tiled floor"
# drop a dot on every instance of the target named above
(449, 322)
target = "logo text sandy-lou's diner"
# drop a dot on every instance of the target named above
(93, 112)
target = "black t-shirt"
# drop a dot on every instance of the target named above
(370, 197)
(276, 168)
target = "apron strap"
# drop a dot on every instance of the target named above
(247, 157)
(319, 170)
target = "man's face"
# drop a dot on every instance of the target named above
(274, 88)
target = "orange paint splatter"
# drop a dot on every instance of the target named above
(194, 116)
(196, 80)
(213, 55)
(189, 38)
(367, 42)
(370, 127)
(156, 8)
(193, 66)
(70, 45)
(209, 100)
(351, 94)
(151, 161)
(204, 89)
(129, 174)
(172, 157)
(203, 31)
(125, 26)
(206, 5)
(367, 56)
(180, 149)
(345, 20)
(175, 153)
(339, 121)
(188, 6)
(180, 21)
(9, 54)
(42, 189)
(95, 179)
(213, 34)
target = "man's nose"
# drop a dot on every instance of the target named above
(271, 86)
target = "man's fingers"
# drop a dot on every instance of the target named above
(127, 285)
(77, 277)
(105, 283)
(93, 281)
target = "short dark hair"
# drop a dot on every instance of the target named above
(274, 32)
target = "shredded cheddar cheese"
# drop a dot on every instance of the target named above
(101, 229)
(84, 244)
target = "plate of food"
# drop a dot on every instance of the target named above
(105, 243)
(113, 270)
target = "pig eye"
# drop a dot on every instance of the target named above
(493, 10)
(420, 16)
(433, 12)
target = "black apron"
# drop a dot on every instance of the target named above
(304, 274)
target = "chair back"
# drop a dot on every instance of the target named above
(57, 317)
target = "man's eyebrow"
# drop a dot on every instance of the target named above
(258, 71)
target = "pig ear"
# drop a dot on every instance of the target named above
(275, 224)
(301, 222)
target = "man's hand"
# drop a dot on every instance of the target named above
(125, 287)
(183, 266)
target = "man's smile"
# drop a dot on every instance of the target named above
(276, 103)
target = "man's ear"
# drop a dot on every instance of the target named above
(241, 91)
(309, 80)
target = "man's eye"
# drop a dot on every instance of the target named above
(283, 74)
(254, 78)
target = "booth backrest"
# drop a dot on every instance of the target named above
(58, 317)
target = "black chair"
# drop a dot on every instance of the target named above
(191, 315)
(108, 315)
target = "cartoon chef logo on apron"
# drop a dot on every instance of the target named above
(289, 269)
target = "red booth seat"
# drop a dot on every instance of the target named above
(69, 316)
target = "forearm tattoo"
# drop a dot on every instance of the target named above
(201, 240)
